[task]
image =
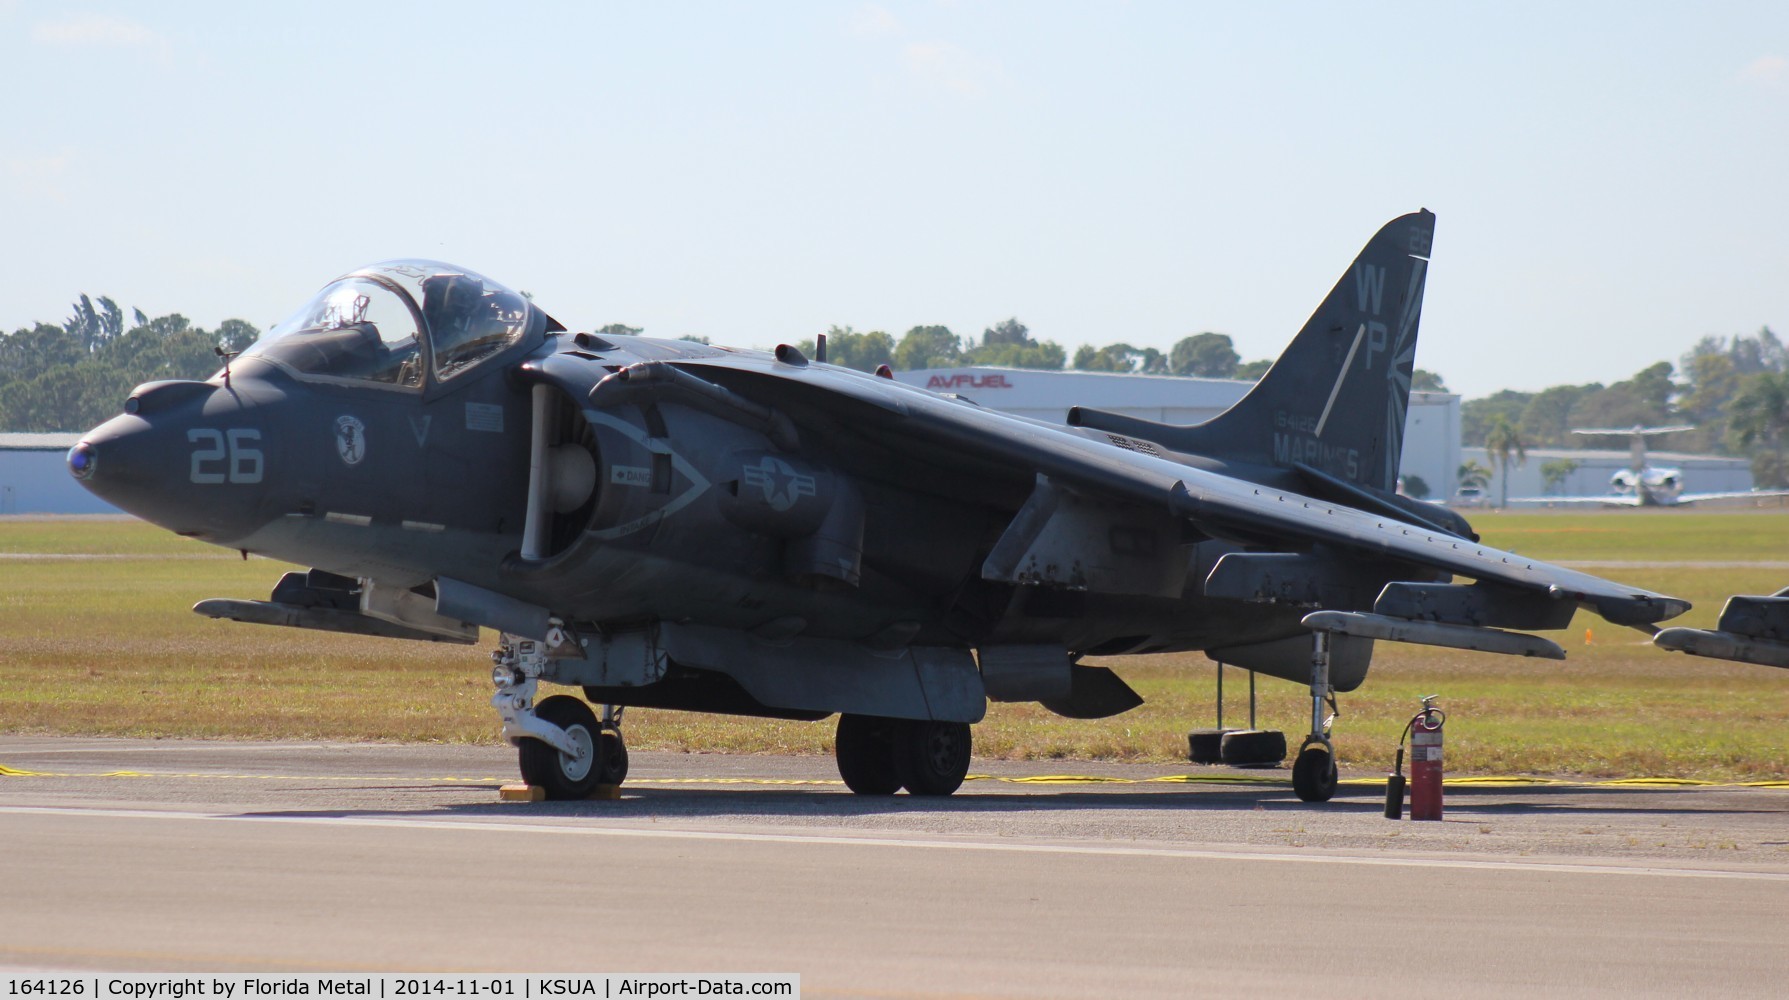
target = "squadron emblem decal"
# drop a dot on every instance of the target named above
(350, 439)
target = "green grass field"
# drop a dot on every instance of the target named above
(105, 644)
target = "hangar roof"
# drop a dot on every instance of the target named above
(57, 441)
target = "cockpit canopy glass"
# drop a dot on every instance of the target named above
(366, 326)
(355, 328)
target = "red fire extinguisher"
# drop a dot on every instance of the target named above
(1425, 761)
(1424, 732)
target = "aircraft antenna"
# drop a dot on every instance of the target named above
(227, 356)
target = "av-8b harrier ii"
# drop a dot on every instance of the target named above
(673, 525)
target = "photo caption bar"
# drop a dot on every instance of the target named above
(395, 986)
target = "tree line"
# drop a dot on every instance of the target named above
(1733, 390)
(73, 375)
(1009, 344)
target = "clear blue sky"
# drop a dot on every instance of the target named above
(1612, 179)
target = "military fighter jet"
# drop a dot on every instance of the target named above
(673, 525)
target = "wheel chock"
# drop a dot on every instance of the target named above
(608, 793)
(521, 793)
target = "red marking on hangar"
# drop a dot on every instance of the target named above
(996, 381)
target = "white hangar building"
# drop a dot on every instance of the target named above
(1431, 428)
(34, 477)
(1590, 477)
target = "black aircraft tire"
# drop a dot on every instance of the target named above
(864, 749)
(1314, 774)
(614, 758)
(1253, 748)
(932, 758)
(545, 767)
(1204, 746)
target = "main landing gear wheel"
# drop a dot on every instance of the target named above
(562, 775)
(1314, 774)
(613, 757)
(613, 746)
(931, 758)
(865, 751)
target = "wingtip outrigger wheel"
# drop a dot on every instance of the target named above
(1314, 771)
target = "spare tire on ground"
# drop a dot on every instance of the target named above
(1253, 748)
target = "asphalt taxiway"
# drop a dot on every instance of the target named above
(1120, 881)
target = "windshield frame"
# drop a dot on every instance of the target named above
(424, 343)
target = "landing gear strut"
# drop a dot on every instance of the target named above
(1314, 772)
(561, 746)
(879, 756)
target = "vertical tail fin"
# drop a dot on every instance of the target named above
(1335, 399)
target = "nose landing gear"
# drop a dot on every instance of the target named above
(561, 747)
(564, 775)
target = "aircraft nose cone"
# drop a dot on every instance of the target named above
(116, 460)
(167, 459)
(83, 458)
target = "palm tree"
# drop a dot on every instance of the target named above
(1501, 441)
(1474, 475)
(1555, 473)
(1761, 413)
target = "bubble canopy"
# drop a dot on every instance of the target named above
(387, 322)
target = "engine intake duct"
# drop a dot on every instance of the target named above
(1478, 605)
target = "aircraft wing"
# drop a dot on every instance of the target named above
(1733, 495)
(1607, 500)
(1135, 472)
